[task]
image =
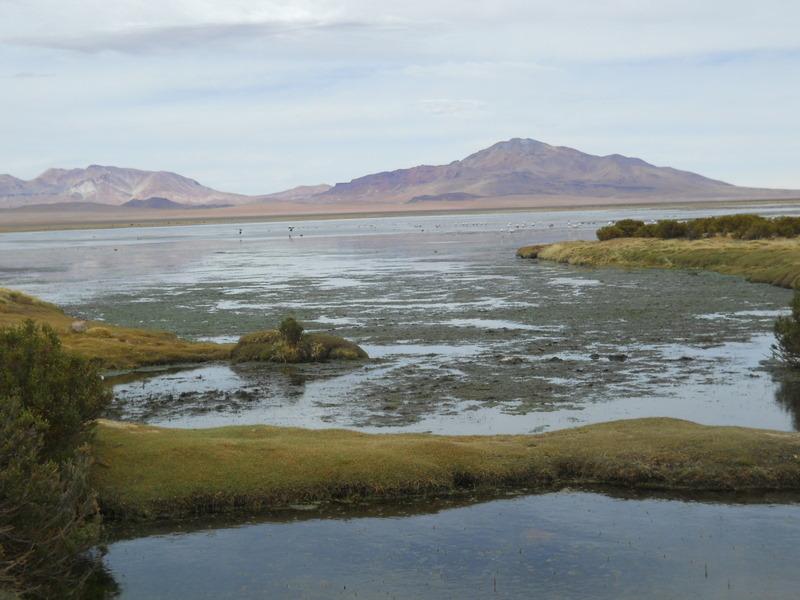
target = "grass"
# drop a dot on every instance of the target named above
(118, 348)
(773, 261)
(114, 347)
(150, 472)
(270, 346)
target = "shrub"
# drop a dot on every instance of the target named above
(745, 227)
(609, 232)
(787, 334)
(63, 391)
(291, 331)
(669, 229)
(629, 226)
(48, 513)
(645, 231)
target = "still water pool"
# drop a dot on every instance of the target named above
(560, 545)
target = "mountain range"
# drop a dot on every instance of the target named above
(508, 171)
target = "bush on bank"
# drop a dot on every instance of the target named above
(743, 227)
(787, 335)
(49, 400)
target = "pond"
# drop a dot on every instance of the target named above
(559, 545)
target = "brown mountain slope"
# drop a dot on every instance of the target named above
(525, 167)
(517, 172)
(108, 185)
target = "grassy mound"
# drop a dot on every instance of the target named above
(114, 347)
(773, 261)
(530, 251)
(151, 472)
(271, 346)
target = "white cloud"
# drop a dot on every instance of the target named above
(254, 96)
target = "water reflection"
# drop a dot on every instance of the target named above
(788, 394)
(567, 544)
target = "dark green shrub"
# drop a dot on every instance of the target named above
(787, 226)
(64, 392)
(48, 513)
(291, 331)
(760, 230)
(628, 226)
(669, 229)
(645, 231)
(746, 227)
(609, 232)
(787, 334)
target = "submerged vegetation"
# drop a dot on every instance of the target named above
(289, 344)
(775, 261)
(151, 472)
(49, 400)
(742, 227)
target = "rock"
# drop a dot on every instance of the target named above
(618, 357)
(594, 356)
(555, 359)
(79, 327)
(686, 358)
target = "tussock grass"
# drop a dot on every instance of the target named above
(530, 251)
(151, 472)
(114, 347)
(773, 261)
(271, 346)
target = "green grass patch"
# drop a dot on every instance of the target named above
(150, 472)
(272, 346)
(113, 347)
(773, 261)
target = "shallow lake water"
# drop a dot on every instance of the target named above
(464, 338)
(560, 545)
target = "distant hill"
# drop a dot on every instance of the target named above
(108, 185)
(525, 167)
(517, 172)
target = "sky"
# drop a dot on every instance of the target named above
(256, 96)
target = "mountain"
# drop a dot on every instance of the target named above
(108, 185)
(299, 193)
(516, 172)
(525, 167)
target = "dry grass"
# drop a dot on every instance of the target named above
(115, 347)
(151, 472)
(773, 261)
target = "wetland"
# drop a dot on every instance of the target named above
(464, 339)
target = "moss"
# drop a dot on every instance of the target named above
(149, 472)
(774, 261)
(271, 346)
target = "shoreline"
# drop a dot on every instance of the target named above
(149, 473)
(773, 261)
(190, 218)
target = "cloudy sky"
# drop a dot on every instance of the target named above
(256, 96)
